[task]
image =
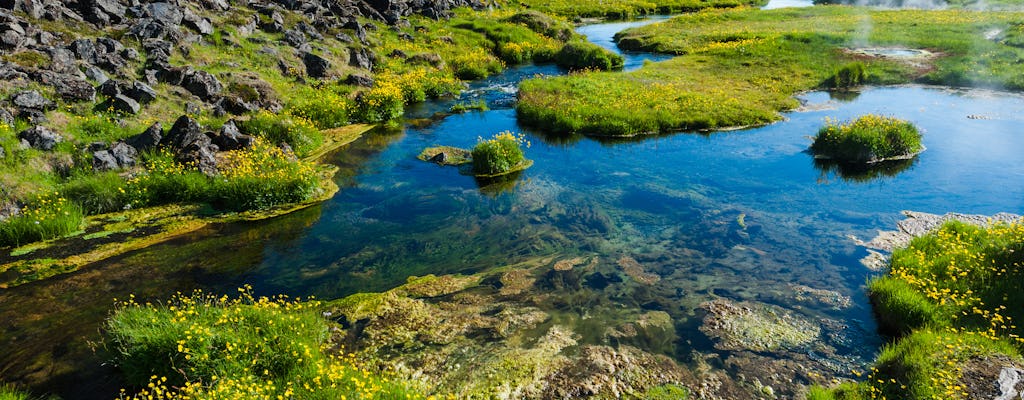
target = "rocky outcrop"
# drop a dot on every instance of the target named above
(191, 146)
(40, 137)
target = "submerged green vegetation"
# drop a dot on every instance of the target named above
(951, 298)
(868, 139)
(740, 67)
(202, 346)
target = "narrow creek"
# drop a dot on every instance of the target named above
(745, 216)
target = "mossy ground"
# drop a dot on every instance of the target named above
(741, 67)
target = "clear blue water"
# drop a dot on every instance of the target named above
(674, 203)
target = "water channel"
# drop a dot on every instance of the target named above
(744, 216)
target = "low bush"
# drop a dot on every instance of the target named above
(165, 181)
(262, 177)
(49, 216)
(501, 154)
(325, 108)
(208, 347)
(848, 76)
(301, 134)
(586, 55)
(870, 138)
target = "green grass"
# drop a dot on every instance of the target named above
(97, 193)
(869, 138)
(624, 9)
(952, 297)
(498, 155)
(260, 178)
(741, 67)
(301, 134)
(48, 216)
(585, 55)
(464, 107)
(204, 346)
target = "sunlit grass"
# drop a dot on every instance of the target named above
(741, 67)
(953, 296)
(869, 138)
(202, 346)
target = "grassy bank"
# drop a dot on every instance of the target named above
(952, 298)
(624, 9)
(741, 67)
(210, 347)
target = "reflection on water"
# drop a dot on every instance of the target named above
(861, 172)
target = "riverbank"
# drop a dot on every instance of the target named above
(741, 67)
(948, 300)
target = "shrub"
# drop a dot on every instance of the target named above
(208, 347)
(870, 138)
(384, 102)
(262, 177)
(585, 55)
(325, 108)
(301, 134)
(49, 216)
(498, 155)
(848, 76)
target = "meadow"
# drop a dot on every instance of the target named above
(202, 346)
(741, 67)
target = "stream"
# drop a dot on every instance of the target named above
(744, 216)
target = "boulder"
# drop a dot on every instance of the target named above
(359, 80)
(6, 118)
(62, 60)
(196, 22)
(316, 66)
(165, 13)
(32, 100)
(230, 138)
(95, 73)
(84, 49)
(141, 92)
(191, 145)
(294, 38)
(148, 139)
(125, 154)
(202, 84)
(110, 88)
(124, 104)
(69, 87)
(431, 59)
(40, 137)
(361, 58)
(103, 160)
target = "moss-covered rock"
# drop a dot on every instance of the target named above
(757, 327)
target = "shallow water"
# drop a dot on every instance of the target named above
(745, 216)
(773, 4)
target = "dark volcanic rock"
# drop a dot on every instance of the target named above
(103, 161)
(148, 139)
(69, 87)
(84, 49)
(197, 22)
(141, 92)
(6, 118)
(32, 100)
(110, 88)
(316, 66)
(230, 138)
(202, 84)
(361, 58)
(125, 154)
(359, 80)
(124, 104)
(40, 137)
(191, 145)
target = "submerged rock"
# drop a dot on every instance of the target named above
(757, 327)
(636, 271)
